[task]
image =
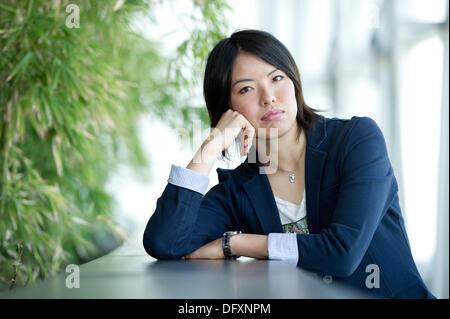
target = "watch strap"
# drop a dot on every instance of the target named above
(226, 244)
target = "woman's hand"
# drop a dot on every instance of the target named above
(231, 125)
(212, 250)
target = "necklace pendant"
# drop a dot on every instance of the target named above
(292, 177)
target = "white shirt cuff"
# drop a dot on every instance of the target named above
(283, 246)
(187, 178)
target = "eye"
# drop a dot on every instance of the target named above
(278, 78)
(244, 90)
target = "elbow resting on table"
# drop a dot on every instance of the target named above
(338, 261)
(343, 265)
(344, 251)
(157, 248)
(345, 268)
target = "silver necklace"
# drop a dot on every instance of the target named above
(292, 177)
(291, 173)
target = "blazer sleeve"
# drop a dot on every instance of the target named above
(367, 188)
(185, 220)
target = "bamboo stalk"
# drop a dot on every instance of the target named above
(5, 142)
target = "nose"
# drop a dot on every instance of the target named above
(269, 101)
(268, 97)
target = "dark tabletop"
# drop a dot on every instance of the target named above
(130, 273)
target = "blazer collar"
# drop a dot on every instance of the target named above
(317, 133)
(260, 194)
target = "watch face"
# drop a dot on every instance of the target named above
(233, 232)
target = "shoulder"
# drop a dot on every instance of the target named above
(358, 143)
(356, 125)
(364, 130)
(345, 132)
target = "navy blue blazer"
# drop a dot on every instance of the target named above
(353, 212)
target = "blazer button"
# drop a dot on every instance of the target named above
(327, 279)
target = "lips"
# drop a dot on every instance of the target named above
(272, 115)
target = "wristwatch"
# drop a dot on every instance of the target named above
(226, 243)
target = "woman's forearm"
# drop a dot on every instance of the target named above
(250, 245)
(204, 158)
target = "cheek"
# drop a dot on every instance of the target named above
(245, 106)
(287, 93)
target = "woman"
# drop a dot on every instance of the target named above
(318, 193)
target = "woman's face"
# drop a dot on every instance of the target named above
(257, 88)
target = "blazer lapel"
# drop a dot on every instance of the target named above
(314, 163)
(261, 197)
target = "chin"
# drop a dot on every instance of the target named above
(270, 132)
(275, 129)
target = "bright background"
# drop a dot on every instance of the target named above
(384, 59)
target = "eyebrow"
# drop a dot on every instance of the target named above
(245, 80)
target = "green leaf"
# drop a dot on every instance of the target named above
(56, 155)
(21, 65)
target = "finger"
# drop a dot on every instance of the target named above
(243, 139)
(247, 139)
(240, 141)
(250, 138)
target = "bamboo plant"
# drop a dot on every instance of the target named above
(70, 98)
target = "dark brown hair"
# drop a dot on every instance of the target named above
(219, 67)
